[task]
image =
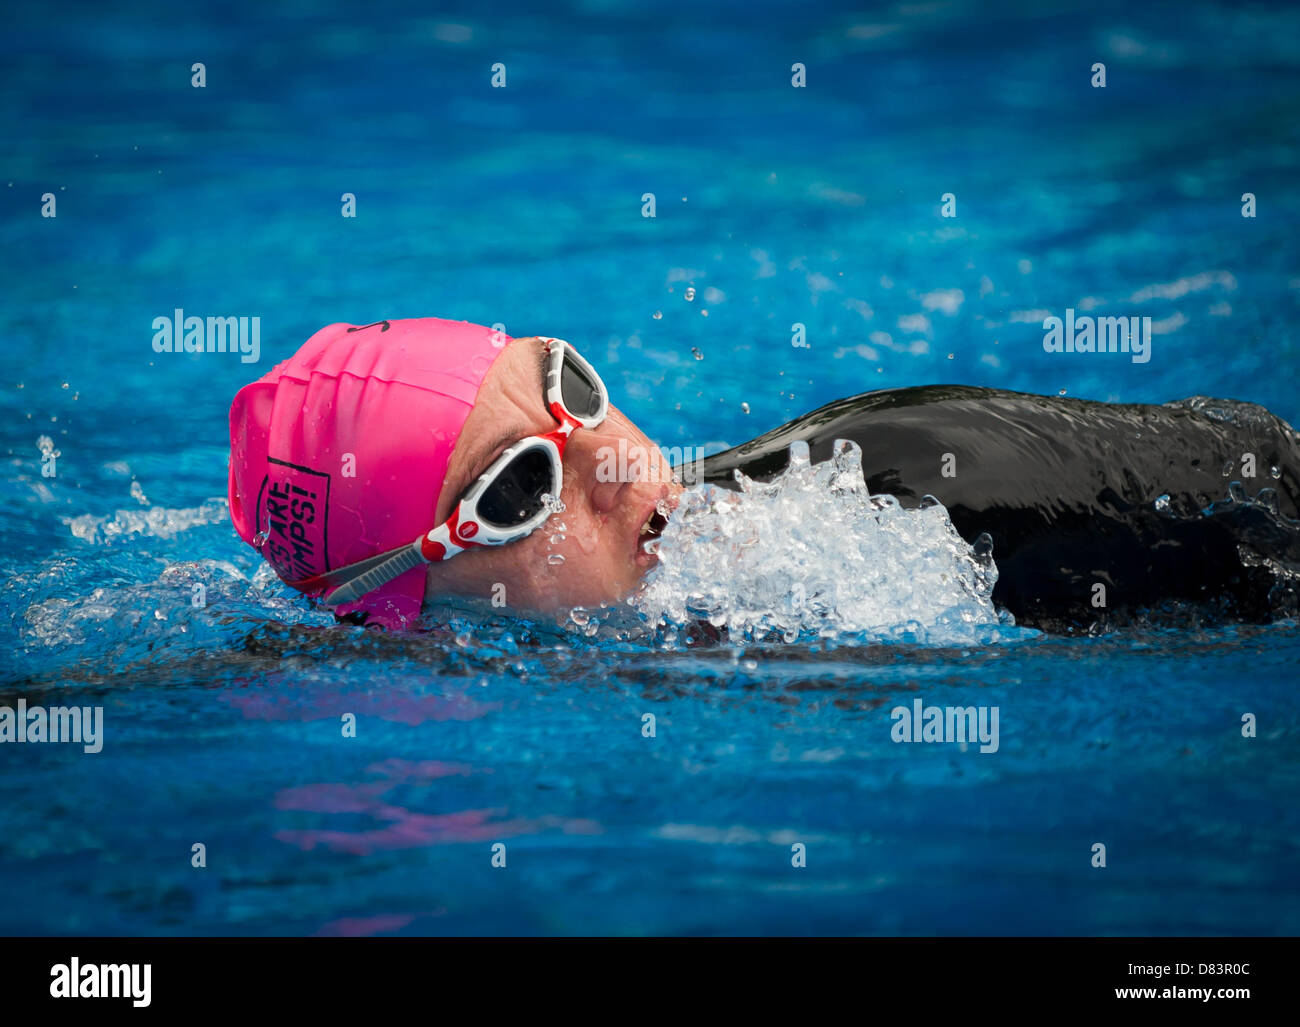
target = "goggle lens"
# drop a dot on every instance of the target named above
(581, 395)
(515, 496)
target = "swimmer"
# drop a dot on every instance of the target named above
(386, 463)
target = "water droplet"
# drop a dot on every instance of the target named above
(749, 664)
(1061, 392)
(658, 314)
(579, 616)
(137, 493)
(1237, 493)
(557, 538)
(260, 539)
(1276, 472)
(1162, 504)
(690, 293)
(1227, 467)
(555, 559)
(698, 354)
(744, 408)
(64, 385)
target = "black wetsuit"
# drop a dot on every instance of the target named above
(1070, 491)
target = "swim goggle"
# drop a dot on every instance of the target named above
(507, 502)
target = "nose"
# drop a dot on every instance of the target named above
(592, 457)
(607, 495)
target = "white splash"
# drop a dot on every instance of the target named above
(813, 554)
(153, 522)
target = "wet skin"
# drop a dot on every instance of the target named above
(602, 519)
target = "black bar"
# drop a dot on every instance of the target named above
(554, 976)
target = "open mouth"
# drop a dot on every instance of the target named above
(647, 538)
(652, 528)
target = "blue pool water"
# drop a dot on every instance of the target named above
(523, 206)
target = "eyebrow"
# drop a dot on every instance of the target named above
(512, 434)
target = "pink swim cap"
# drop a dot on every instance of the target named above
(341, 451)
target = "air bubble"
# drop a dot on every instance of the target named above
(744, 408)
(690, 293)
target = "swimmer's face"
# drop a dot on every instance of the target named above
(602, 519)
